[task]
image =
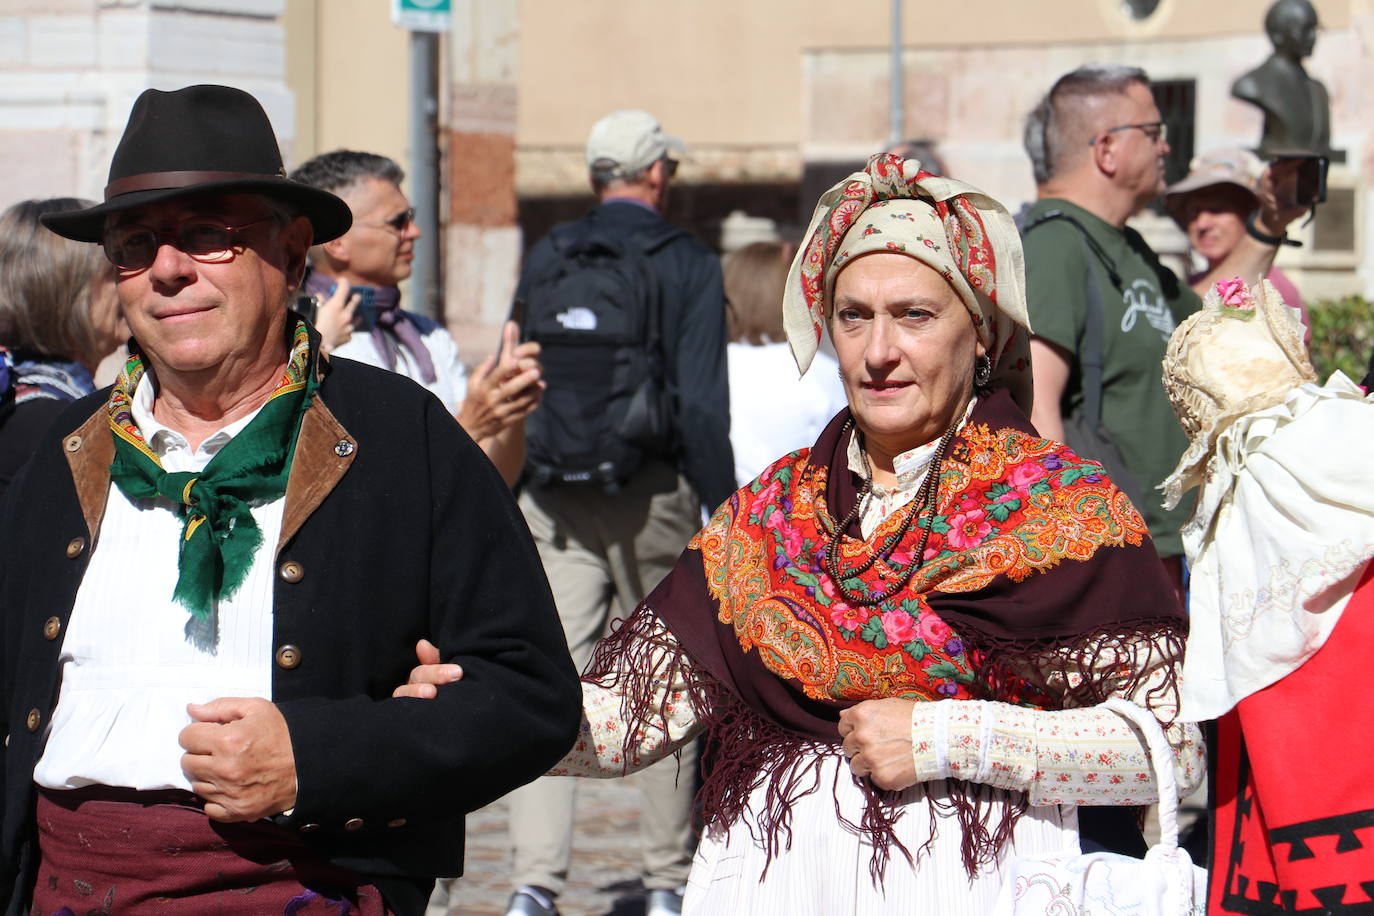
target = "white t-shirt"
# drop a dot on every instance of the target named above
(772, 411)
(450, 383)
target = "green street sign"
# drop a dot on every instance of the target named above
(422, 15)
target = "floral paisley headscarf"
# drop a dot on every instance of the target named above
(970, 239)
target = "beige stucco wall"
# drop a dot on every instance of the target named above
(760, 87)
(729, 72)
(721, 72)
(349, 68)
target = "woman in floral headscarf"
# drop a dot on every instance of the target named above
(898, 639)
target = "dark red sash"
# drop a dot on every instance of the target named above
(1294, 828)
(119, 851)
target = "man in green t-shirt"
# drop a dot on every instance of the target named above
(1097, 144)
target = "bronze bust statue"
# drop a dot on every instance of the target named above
(1297, 111)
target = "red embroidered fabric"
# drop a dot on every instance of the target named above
(1294, 805)
(121, 851)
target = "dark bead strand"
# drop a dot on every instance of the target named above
(926, 498)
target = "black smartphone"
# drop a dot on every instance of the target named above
(517, 314)
(1303, 183)
(308, 306)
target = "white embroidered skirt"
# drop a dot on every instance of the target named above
(825, 872)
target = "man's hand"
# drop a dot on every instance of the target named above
(334, 319)
(504, 389)
(239, 758)
(426, 677)
(877, 741)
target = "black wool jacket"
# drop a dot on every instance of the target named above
(395, 527)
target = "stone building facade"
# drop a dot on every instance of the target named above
(773, 96)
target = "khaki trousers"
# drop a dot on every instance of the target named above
(602, 553)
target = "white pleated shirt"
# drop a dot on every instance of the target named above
(127, 668)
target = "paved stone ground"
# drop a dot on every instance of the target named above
(605, 865)
(604, 878)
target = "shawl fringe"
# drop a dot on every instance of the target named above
(750, 751)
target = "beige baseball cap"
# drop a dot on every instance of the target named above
(1233, 165)
(629, 141)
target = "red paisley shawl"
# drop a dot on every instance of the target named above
(1036, 562)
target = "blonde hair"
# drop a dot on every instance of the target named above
(755, 277)
(46, 283)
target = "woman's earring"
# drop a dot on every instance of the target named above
(982, 372)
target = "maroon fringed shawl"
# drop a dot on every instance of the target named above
(1036, 564)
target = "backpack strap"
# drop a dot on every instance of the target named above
(1091, 359)
(648, 244)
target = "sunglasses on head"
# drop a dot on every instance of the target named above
(135, 247)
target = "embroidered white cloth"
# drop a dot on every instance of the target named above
(127, 669)
(1283, 529)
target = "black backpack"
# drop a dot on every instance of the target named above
(596, 312)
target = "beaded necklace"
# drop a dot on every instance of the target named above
(924, 502)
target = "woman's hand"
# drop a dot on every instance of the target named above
(334, 319)
(1277, 193)
(504, 388)
(877, 741)
(426, 677)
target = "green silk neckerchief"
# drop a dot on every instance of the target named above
(219, 536)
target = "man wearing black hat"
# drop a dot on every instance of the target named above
(213, 574)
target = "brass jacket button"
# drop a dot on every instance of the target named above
(288, 656)
(291, 571)
(75, 546)
(51, 627)
(353, 824)
(34, 720)
(309, 828)
(398, 822)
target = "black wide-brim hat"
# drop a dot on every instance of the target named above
(199, 140)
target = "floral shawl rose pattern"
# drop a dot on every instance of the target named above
(1011, 504)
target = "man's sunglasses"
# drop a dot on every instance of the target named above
(1156, 131)
(135, 247)
(400, 222)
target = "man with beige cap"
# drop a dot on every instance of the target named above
(629, 311)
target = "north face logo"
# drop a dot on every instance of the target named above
(577, 319)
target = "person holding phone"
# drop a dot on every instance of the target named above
(372, 258)
(1213, 205)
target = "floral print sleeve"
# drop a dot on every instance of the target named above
(1088, 756)
(601, 749)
